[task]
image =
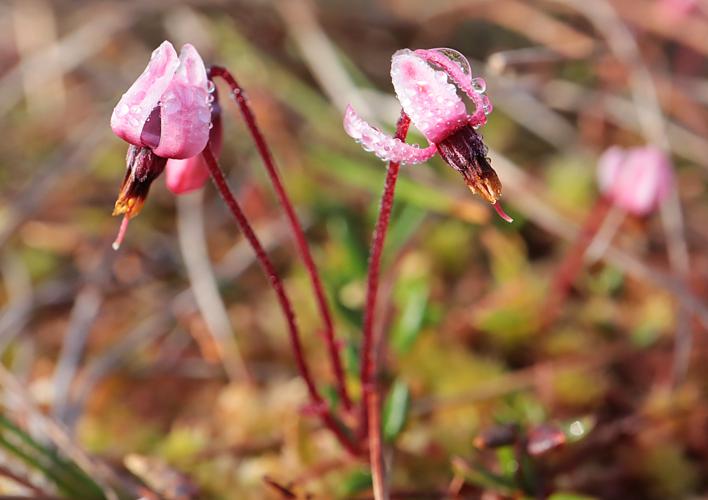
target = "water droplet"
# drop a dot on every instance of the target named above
(210, 98)
(486, 105)
(136, 109)
(210, 86)
(457, 58)
(478, 85)
(211, 125)
(122, 109)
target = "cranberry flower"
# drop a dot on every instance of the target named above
(636, 180)
(426, 84)
(165, 115)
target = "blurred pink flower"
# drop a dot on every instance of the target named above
(635, 179)
(675, 10)
(422, 81)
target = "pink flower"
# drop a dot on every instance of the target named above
(426, 84)
(166, 109)
(165, 114)
(635, 179)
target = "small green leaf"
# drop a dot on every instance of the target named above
(356, 482)
(570, 496)
(410, 321)
(395, 410)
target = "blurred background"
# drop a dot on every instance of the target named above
(164, 369)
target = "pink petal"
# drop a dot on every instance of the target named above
(183, 176)
(426, 96)
(458, 69)
(132, 111)
(636, 179)
(185, 110)
(608, 167)
(385, 147)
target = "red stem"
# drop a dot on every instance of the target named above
(567, 272)
(368, 368)
(264, 151)
(285, 304)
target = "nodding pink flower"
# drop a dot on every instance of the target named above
(165, 114)
(636, 180)
(426, 84)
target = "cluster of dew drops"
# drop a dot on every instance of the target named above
(211, 89)
(478, 85)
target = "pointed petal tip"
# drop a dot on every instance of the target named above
(500, 211)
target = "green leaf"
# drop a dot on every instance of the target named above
(356, 482)
(570, 496)
(395, 411)
(412, 316)
(479, 476)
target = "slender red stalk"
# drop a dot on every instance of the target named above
(368, 368)
(285, 304)
(567, 272)
(304, 249)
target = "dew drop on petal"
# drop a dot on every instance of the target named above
(478, 85)
(122, 109)
(457, 58)
(486, 105)
(210, 86)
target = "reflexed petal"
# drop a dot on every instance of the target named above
(385, 147)
(183, 176)
(185, 111)
(132, 111)
(427, 96)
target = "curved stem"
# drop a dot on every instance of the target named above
(319, 404)
(264, 151)
(368, 368)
